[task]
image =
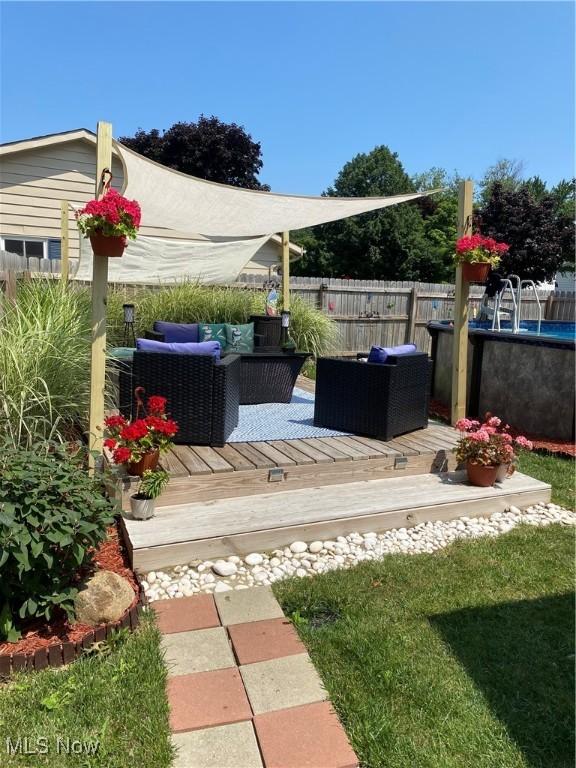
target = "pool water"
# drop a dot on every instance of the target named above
(548, 328)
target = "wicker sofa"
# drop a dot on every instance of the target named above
(380, 400)
(203, 394)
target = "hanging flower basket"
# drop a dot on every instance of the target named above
(109, 223)
(476, 272)
(477, 255)
(112, 246)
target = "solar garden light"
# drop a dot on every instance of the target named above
(128, 310)
(287, 343)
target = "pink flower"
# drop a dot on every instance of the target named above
(523, 442)
(494, 421)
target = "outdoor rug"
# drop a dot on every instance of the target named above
(280, 421)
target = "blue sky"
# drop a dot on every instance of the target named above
(456, 85)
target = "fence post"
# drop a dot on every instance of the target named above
(548, 307)
(412, 313)
(64, 241)
(10, 287)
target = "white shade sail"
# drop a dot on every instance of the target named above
(177, 201)
(154, 259)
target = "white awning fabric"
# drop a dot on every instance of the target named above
(153, 259)
(177, 201)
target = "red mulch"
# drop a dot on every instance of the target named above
(110, 556)
(564, 447)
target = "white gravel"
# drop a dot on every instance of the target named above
(302, 559)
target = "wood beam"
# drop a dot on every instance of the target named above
(460, 348)
(286, 270)
(99, 294)
(64, 241)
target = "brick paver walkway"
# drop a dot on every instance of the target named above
(243, 692)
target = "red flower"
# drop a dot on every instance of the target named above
(156, 404)
(110, 443)
(122, 455)
(115, 421)
(170, 428)
(135, 431)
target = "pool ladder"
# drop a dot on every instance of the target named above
(516, 287)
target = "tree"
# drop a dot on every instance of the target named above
(208, 149)
(541, 239)
(506, 172)
(387, 244)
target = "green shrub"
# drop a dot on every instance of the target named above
(51, 514)
(44, 361)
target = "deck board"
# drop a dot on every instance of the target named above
(239, 525)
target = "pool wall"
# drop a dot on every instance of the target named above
(529, 381)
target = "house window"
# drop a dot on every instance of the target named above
(31, 247)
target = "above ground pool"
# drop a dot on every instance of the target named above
(526, 378)
(548, 328)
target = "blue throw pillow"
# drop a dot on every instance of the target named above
(381, 354)
(177, 332)
(211, 348)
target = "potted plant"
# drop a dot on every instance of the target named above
(109, 223)
(477, 255)
(138, 443)
(487, 449)
(150, 487)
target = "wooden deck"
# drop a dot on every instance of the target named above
(262, 495)
(241, 469)
(222, 527)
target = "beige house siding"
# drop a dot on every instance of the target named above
(34, 181)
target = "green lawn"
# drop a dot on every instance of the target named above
(116, 699)
(557, 470)
(460, 659)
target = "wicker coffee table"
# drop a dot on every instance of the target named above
(269, 377)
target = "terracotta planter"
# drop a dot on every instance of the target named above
(475, 273)
(148, 461)
(480, 475)
(113, 247)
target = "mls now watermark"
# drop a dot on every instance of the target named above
(40, 745)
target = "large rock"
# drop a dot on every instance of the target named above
(104, 597)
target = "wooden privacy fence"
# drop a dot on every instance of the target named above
(365, 312)
(388, 313)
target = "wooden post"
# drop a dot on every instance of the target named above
(64, 241)
(412, 312)
(460, 348)
(548, 307)
(99, 292)
(286, 270)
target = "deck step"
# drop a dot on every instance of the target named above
(242, 524)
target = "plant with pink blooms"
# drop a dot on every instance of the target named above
(488, 443)
(112, 216)
(476, 249)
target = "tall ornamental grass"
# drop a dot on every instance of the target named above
(45, 344)
(190, 302)
(44, 361)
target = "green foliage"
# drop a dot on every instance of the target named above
(51, 514)
(114, 698)
(208, 149)
(44, 361)
(541, 239)
(311, 330)
(506, 172)
(153, 483)
(387, 244)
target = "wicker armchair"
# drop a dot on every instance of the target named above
(203, 394)
(374, 399)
